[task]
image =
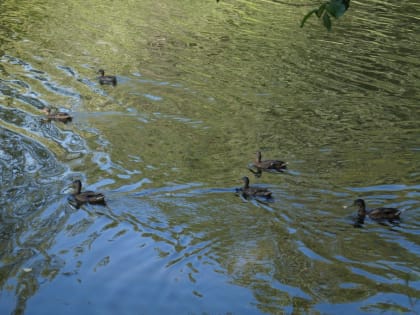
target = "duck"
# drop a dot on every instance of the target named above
(381, 213)
(106, 79)
(275, 165)
(248, 191)
(56, 115)
(86, 196)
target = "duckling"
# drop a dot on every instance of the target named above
(56, 115)
(106, 79)
(248, 191)
(86, 196)
(378, 213)
(276, 165)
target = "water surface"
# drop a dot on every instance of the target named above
(202, 87)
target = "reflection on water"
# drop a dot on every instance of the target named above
(202, 87)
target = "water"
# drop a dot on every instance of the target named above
(202, 87)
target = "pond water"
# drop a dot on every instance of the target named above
(201, 87)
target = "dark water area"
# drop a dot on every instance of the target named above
(201, 87)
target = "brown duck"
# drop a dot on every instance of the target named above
(106, 79)
(248, 191)
(378, 213)
(275, 165)
(86, 196)
(56, 115)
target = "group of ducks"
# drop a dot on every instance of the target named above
(79, 198)
(64, 117)
(260, 165)
(247, 191)
(378, 214)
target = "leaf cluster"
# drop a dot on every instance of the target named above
(331, 8)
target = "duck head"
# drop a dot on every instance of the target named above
(77, 186)
(360, 204)
(245, 179)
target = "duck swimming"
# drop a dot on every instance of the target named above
(248, 191)
(86, 196)
(56, 115)
(275, 165)
(378, 213)
(106, 79)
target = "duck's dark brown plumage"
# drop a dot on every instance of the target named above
(106, 79)
(269, 164)
(86, 196)
(248, 191)
(58, 116)
(381, 213)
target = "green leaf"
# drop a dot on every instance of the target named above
(307, 16)
(321, 9)
(337, 8)
(327, 21)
